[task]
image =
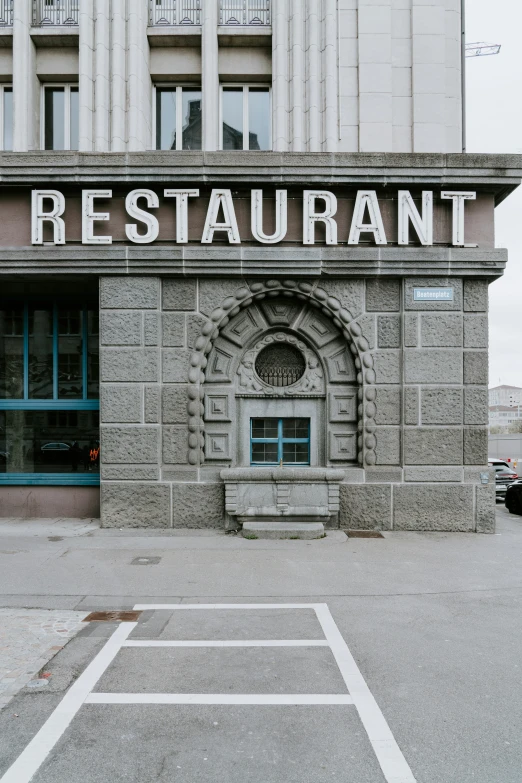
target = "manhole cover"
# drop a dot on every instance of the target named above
(145, 561)
(363, 534)
(112, 617)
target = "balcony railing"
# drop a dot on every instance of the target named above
(174, 12)
(244, 12)
(6, 13)
(56, 12)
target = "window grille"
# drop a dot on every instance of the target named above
(280, 365)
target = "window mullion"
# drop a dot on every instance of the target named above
(279, 440)
(55, 351)
(179, 123)
(246, 130)
(67, 117)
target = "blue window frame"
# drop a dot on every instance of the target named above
(49, 392)
(279, 442)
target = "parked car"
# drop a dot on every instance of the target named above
(514, 498)
(504, 477)
(493, 462)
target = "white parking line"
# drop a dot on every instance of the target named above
(250, 699)
(229, 643)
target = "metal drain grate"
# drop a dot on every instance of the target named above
(363, 534)
(112, 617)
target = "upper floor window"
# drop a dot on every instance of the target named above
(246, 118)
(6, 118)
(178, 118)
(61, 118)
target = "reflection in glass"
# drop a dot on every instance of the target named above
(259, 118)
(54, 131)
(75, 119)
(233, 118)
(295, 452)
(264, 452)
(166, 118)
(93, 358)
(12, 353)
(40, 352)
(49, 442)
(8, 118)
(70, 348)
(191, 114)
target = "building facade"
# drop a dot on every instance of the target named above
(507, 396)
(244, 266)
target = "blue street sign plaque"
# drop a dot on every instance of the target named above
(433, 294)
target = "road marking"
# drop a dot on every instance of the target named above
(293, 699)
(393, 764)
(35, 753)
(144, 607)
(229, 643)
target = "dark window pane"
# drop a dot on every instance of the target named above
(295, 452)
(54, 118)
(166, 119)
(264, 452)
(11, 353)
(233, 118)
(191, 119)
(264, 428)
(259, 118)
(8, 118)
(93, 355)
(40, 353)
(75, 119)
(49, 442)
(70, 345)
(295, 428)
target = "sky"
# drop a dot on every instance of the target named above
(494, 124)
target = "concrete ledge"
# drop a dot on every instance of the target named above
(304, 531)
(282, 474)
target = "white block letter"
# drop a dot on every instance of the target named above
(88, 217)
(133, 211)
(458, 198)
(311, 217)
(182, 197)
(38, 216)
(257, 218)
(408, 211)
(221, 198)
(367, 198)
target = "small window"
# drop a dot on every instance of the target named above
(246, 118)
(61, 118)
(6, 118)
(280, 441)
(178, 118)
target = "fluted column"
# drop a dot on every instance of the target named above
(280, 86)
(297, 82)
(26, 94)
(102, 86)
(119, 76)
(330, 55)
(210, 75)
(86, 76)
(314, 103)
(140, 84)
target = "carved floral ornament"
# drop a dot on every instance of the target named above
(311, 381)
(316, 297)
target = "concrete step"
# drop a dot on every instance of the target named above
(304, 531)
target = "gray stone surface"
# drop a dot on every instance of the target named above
(476, 296)
(441, 330)
(120, 328)
(380, 475)
(133, 293)
(388, 404)
(475, 331)
(173, 330)
(134, 445)
(433, 446)
(411, 405)
(365, 507)
(175, 366)
(476, 405)
(193, 327)
(388, 449)
(179, 294)
(425, 507)
(476, 367)
(129, 472)
(132, 365)
(198, 505)
(433, 473)
(303, 531)
(389, 331)
(432, 366)
(213, 292)
(174, 404)
(349, 292)
(441, 406)
(411, 330)
(383, 295)
(151, 328)
(485, 508)
(475, 445)
(369, 328)
(135, 504)
(433, 282)
(175, 445)
(152, 404)
(387, 365)
(120, 404)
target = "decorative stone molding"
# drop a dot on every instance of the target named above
(311, 381)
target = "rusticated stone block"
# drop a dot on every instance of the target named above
(433, 366)
(175, 366)
(475, 445)
(476, 367)
(388, 403)
(411, 330)
(485, 508)
(441, 330)
(151, 328)
(129, 445)
(476, 405)
(194, 326)
(430, 474)
(433, 282)
(350, 293)
(173, 330)
(120, 404)
(428, 507)
(152, 404)
(388, 449)
(198, 505)
(475, 296)
(383, 295)
(135, 504)
(389, 331)
(130, 472)
(175, 445)
(131, 365)
(411, 405)
(365, 507)
(437, 446)
(475, 331)
(387, 365)
(117, 328)
(179, 294)
(441, 406)
(129, 293)
(384, 475)
(213, 292)
(369, 328)
(174, 404)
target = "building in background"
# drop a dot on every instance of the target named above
(509, 396)
(244, 265)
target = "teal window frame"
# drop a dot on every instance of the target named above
(52, 404)
(280, 440)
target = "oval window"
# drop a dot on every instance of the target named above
(280, 365)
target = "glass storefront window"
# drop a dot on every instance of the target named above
(7, 125)
(61, 118)
(178, 118)
(246, 118)
(11, 353)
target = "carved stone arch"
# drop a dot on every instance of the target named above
(318, 298)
